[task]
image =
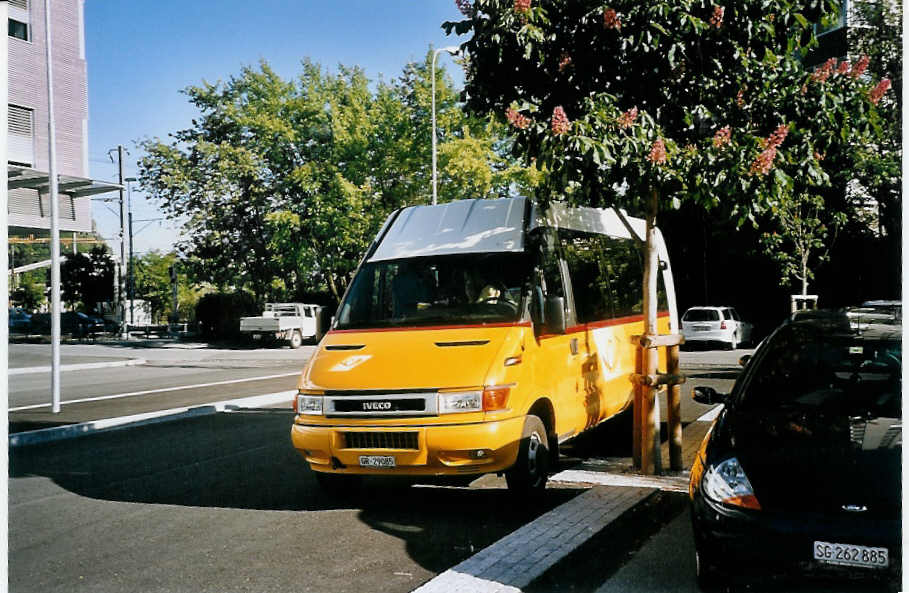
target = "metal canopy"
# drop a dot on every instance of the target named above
(77, 187)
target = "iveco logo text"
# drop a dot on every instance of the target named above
(376, 405)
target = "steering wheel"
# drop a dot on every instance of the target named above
(500, 299)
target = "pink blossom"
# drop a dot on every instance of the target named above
(763, 163)
(611, 19)
(818, 156)
(860, 67)
(560, 123)
(626, 120)
(823, 73)
(717, 19)
(564, 62)
(843, 68)
(516, 119)
(722, 136)
(777, 137)
(521, 5)
(657, 154)
(465, 7)
(740, 98)
(878, 92)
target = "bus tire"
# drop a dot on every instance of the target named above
(531, 470)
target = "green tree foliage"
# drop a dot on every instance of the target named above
(153, 285)
(29, 294)
(87, 278)
(281, 185)
(626, 103)
(875, 31)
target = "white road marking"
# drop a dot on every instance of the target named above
(711, 415)
(149, 391)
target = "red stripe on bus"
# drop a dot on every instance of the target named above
(574, 329)
(428, 327)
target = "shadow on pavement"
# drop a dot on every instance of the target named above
(244, 460)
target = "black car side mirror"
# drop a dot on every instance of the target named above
(708, 395)
(743, 361)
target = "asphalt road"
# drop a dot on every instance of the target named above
(175, 376)
(223, 502)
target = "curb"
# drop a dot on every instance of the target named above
(47, 435)
(519, 558)
(78, 367)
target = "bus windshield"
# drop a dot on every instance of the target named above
(439, 290)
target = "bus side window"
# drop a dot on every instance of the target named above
(549, 260)
(590, 282)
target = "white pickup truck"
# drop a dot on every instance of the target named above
(292, 322)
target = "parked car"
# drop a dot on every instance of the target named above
(74, 323)
(715, 324)
(19, 320)
(801, 469)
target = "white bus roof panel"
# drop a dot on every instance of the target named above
(465, 226)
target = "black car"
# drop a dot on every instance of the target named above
(801, 469)
(75, 323)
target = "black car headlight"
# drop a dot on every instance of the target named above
(726, 482)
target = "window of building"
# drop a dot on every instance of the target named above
(18, 29)
(20, 136)
(20, 120)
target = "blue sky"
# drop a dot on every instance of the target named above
(140, 54)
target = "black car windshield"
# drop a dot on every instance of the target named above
(849, 374)
(439, 290)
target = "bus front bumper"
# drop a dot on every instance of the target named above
(413, 450)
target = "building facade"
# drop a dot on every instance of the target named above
(27, 136)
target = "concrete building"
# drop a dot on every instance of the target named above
(27, 135)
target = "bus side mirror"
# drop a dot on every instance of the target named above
(555, 315)
(537, 313)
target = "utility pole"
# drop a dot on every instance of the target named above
(131, 273)
(130, 270)
(121, 277)
(175, 316)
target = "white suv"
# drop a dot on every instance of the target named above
(715, 324)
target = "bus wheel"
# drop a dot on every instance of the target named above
(530, 471)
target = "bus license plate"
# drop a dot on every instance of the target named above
(377, 461)
(850, 555)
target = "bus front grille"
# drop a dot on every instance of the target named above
(381, 440)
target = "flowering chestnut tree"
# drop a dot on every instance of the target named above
(637, 104)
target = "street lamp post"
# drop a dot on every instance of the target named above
(454, 51)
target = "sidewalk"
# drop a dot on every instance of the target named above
(538, 549)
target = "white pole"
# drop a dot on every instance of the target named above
(4, 264)
(435, 54)
(55, 219)
(453, 51)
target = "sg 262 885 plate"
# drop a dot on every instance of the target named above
(850, 555)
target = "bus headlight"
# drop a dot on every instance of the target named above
(457, 402)
(309, 404)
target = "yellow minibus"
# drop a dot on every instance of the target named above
(475, 337)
